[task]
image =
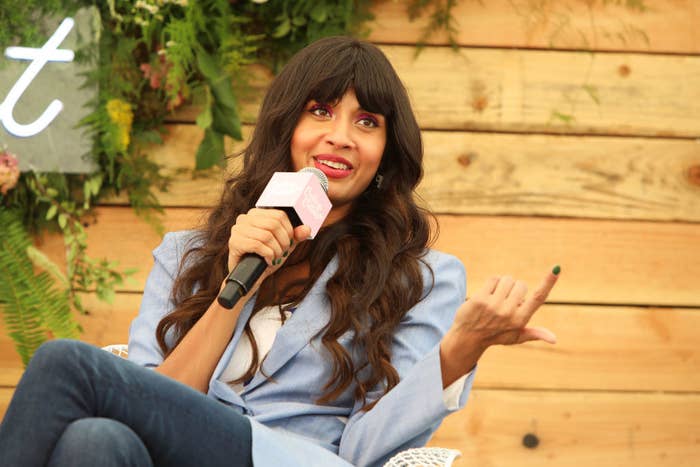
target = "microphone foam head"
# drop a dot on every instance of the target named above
(323, 180)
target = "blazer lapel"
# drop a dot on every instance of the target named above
(310, 317)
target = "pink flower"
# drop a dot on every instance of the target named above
(152, 76)
(9, 171)
(155, 73)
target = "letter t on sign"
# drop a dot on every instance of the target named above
(48, 53)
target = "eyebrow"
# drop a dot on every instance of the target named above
(337, 101)
(361, 109)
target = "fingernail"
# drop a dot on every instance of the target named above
(284, 255)
(291, 242)
(556, 270)
(279, 261)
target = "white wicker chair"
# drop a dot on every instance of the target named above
(416, 457)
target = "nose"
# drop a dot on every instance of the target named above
(340, 134)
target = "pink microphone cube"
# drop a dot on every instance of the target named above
(300, 195)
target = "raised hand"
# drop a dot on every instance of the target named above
(497, 315)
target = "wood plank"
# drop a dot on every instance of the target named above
(627, 263)
(595, 177)
(599, 348)
(661, 26)
(5, 397)
(611, 262)
(486, 173)
(542, 91)
(574, 429)
(602, 348)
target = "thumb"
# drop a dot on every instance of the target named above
(537, 334)
(301, 233)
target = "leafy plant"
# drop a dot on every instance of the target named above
(441, 18)
(34, 308)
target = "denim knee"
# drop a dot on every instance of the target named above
(99, 442)
(54, 352)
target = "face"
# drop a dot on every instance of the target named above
(345, 142)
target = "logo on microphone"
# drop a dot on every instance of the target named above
(311, 204)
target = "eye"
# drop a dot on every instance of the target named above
(320, 110)
(368, 121)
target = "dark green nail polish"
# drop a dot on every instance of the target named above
(291, 242)
(556, 270)
(284, 255)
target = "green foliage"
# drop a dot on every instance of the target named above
(68, 207)
(20, 19)
(441, 18)
(283, 27)
(34, 309)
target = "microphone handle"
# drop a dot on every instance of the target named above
(249, 269)
(241, 279)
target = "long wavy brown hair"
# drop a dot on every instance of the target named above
(379, 245)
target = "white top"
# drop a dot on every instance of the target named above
(264, 325)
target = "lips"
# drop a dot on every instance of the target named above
(333, 166)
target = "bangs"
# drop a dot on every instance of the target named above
(355, 68)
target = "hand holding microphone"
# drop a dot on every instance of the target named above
(292, 207)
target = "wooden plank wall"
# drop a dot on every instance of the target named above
(560, 132)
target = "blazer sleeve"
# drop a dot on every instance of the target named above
(411, 412)
(156, 301)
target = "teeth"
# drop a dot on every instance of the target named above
(334, 165)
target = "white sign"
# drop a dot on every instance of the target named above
(43, 98)
(39, 57)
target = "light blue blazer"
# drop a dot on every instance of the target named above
(288, 427)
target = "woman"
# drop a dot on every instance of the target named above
(347, 350)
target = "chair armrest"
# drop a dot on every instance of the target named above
(424, 457)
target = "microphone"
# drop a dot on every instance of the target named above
(302, 196)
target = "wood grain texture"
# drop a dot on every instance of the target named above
(544, 91)
(627, 263)
(5, 397)
(660, 26)
(602, 348)
(574, 429)
(599, 348)
(512, 174)
(588, 176)
(602, 261)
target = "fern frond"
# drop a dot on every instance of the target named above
(33, 307)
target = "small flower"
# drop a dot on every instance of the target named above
(152, 9)
(157, 71)
(120, 113)
(152, 76)
(9, 171)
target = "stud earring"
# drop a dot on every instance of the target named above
(378, 179)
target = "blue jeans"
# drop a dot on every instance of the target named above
(79, 405)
